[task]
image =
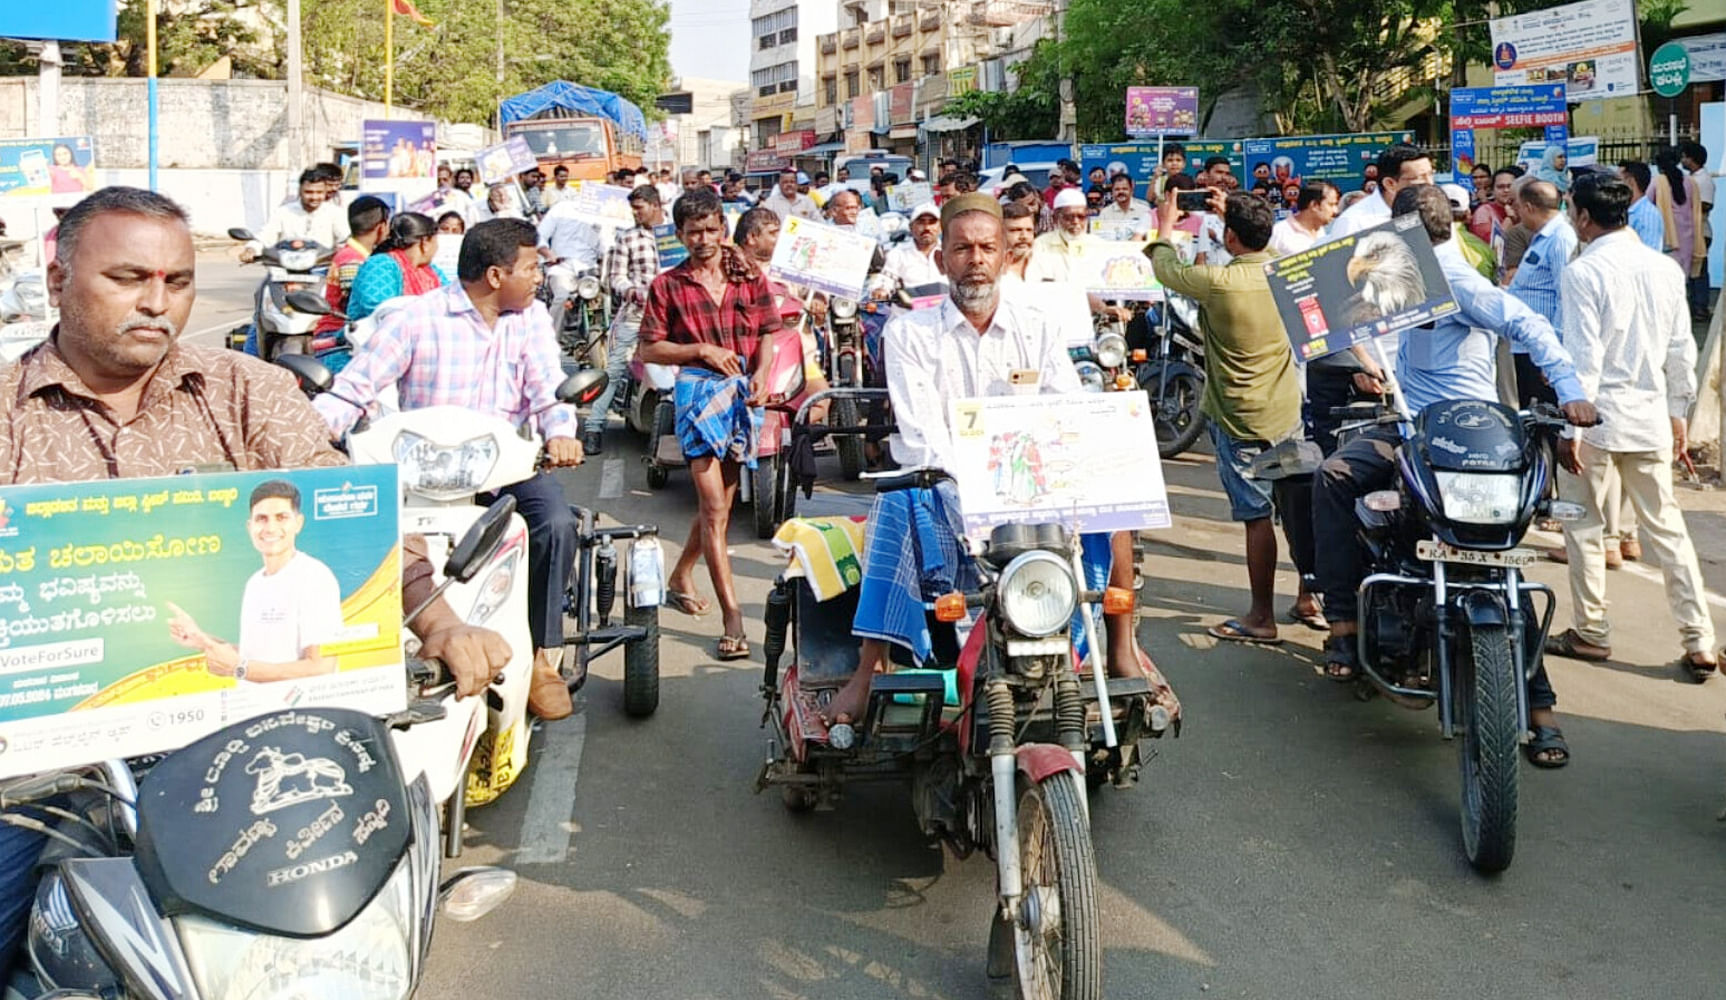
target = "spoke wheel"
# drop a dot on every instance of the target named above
(1057, 942)
(1485, 702)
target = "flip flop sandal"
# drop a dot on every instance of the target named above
(1340, 652)
(1547, 739)
(732, 647)
(1698, 672)
(1233, 631)
(688, 604)
(1315, 621)
(1568, 644)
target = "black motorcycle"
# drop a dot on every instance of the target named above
(1446, 617)
(1172, 372)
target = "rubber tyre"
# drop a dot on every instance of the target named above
(850, 446)
(761, 483)
(1184, 392)
(797, 800)
(643, 403)
(598, 350)
(664, 425)
(1056, 855)
(276, 346)
(1486, 708)
(641, 664)
(785, 495)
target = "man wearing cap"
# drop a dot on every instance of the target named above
(977, 343)
(786, 200)
(1474, 250)
(918, 263)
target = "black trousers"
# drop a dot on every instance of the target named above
(1365, 464)
(552, 545)
(1531, 385)
(1327, 385)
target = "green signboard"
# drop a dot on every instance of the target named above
(1669, 69)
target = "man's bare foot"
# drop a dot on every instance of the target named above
(850, 701)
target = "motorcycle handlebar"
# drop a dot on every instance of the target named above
(916, 479)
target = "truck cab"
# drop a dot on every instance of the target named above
(590, 147)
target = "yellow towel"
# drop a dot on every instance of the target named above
(826, 551)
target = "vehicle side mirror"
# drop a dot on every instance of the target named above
(309, 370)
(481, 541)
(240, 233)
(583, 387)
(310, 303)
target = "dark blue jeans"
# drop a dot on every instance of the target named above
(19, 850)
(551, 551)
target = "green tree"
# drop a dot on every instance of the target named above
(188, 39)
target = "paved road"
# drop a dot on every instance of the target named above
(1293, 843)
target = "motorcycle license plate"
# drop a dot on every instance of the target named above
(1440, 552)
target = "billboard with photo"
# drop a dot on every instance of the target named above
(1589, 47)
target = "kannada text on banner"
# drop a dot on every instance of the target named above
(826, 258)
(1276, 168)
(1588, 47)
(1350, 290)
(128, 607)
(1057, 458)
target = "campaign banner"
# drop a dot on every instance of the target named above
(128, 607)
(672, 252)
(60, 165)
(603, 205)
(1580, 151)
(501, 163)
(1162, 111)
(824, 257)
(1117, 269)
(906, 197)
(1707, 56)
(1140, 160)
(1589, 48)
(1276, 168)
(1033, 458)
(1509, 107)
(1350, 290)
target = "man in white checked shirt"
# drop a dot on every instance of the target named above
(630, 266)
(1627, 325)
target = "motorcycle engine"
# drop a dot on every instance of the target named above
(59, 945)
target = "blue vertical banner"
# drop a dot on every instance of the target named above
(1462, 152)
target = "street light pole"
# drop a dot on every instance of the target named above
(1069, 113)
(150, 92)
(296, 90)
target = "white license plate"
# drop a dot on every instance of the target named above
(1440, 552)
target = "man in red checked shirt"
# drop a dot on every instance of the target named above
(712, 316)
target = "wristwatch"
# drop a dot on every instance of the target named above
(240, 669)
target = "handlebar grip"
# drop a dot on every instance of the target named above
(917, 479)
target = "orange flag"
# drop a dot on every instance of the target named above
(406, 7)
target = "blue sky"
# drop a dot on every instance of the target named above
(710, 38)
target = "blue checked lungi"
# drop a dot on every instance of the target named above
(913, 557)
(714, 417)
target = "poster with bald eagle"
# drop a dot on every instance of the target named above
(1349, 290)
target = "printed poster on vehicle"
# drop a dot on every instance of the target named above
(59, 165)
(824, 257)
(501, 163)
(1590, 47)
(398, 158)
(905, 198)
(127, 607)
(1042, 458)
(1162, 111)
(604, 205)
(1117, 269)
(1350, 290)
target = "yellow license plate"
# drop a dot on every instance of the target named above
(1439, 552)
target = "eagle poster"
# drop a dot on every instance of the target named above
(1350, 290)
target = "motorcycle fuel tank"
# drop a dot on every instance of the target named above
(1471, 435)
(288, 823)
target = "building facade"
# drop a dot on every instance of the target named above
(782, 37)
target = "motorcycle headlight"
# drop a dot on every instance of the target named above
(1480, 498)
(843, 308)
(298, 260)
(1090, 375)
(444, 472)
(495, 590)
(587, 287)
(1038, 594)
(369, 959)
(1111, 350)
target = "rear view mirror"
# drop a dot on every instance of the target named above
(310, 303)
(583, 387)
(309, 370)
(481, 541)
(240, 233)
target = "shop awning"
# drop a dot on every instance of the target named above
(949, 123)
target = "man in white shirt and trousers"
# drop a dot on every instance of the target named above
(1627, 325)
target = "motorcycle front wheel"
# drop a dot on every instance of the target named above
(850, 446)
(1058, 947)
(761, 485)
(1484, 697)
(1175, 400)
(641, 664)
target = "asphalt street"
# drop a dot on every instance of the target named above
(1292, 843)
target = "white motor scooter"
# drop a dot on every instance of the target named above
(24, 321)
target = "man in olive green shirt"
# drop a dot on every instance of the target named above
(1252, 393)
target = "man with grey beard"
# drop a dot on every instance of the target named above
(979, 342)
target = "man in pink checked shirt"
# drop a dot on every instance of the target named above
(486, 343)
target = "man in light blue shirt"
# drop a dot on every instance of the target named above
(1645, 218)
(1536, 279)
(1452, 359)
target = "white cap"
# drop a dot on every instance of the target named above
(915, 175)
(1458, 197)
(927, 208)
(1070, 197)
(1116, 167)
